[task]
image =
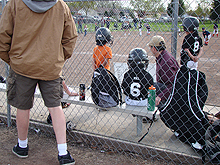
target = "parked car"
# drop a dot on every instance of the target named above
(86, 18)
(204, 18)
(122, 19)
(149, 20)
(110, 18)
(165, 19)
(97, 18)
(89, 19)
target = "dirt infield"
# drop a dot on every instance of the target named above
(43, 151)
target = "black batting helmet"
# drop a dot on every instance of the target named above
(190, 24)
(138, 58)
(103, 36)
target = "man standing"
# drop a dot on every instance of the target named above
(135, 20)
(166, 68)
(102, 22)
(126, 25)
(36, 50)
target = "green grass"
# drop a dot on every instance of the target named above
(161, 27)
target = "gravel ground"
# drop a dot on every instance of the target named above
(43, 151)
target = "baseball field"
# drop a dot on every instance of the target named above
(78, 69)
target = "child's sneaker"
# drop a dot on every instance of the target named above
(66, 159)
(20, 152)
(196, 145)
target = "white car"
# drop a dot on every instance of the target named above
(123, 18)
(149, 20)
(97, 18)
(110, 18)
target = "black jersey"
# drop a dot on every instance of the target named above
(193, 42)
(136, 83)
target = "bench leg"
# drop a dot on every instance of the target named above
(139, 125)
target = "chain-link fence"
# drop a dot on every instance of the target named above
(120, 128)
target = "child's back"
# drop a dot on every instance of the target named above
(136, 83)
(192, 43)
(102, 53)
(137, 80)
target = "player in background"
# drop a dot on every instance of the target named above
(85, 30)
(140, 28)
(179, 32)
(215, 30)
(148, 29)
(96, 26)
(126, 26)
(192, 46)
(207, 35)
(102, 53)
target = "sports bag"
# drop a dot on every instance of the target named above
(105, 89)
(212, 143)
(183, 112)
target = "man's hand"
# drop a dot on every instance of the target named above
(195, 58)
(157, 100)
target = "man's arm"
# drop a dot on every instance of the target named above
(69, 36)
(170, 69)
(6, 32)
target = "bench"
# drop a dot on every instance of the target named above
(139, 112)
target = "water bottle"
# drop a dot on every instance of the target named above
(82, 88)
(151, 98)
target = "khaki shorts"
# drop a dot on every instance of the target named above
(21, 89)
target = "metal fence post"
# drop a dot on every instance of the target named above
(7, 72)
(8, 106)
(3, 3)
(174, 27)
